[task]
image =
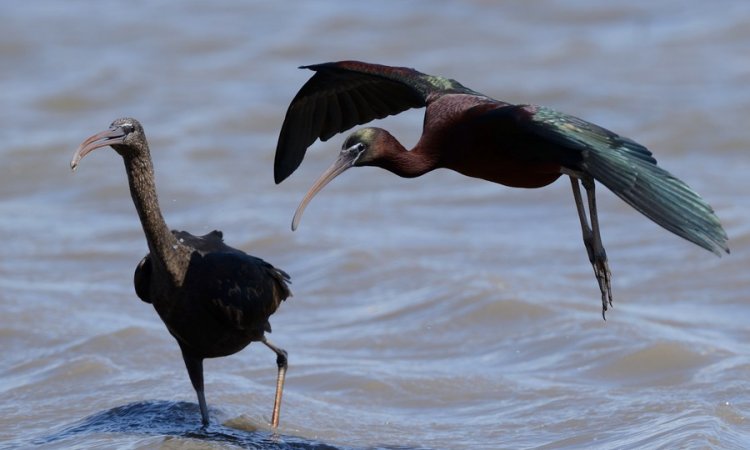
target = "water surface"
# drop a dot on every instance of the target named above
(441, 312)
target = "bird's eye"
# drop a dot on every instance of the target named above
(360, 147)
(127, 128)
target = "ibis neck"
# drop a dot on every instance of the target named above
(161, 242)
(408, 163)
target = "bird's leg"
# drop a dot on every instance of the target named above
(592, 239)
(195, 371)
(281, 362)
(600, 255)
(585, 229)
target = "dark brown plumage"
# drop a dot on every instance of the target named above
(515, 145)
(214, 299)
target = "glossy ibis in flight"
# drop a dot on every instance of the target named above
(214, 299)
(524, 146)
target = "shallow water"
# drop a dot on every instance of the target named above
(441, 312)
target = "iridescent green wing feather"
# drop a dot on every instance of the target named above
(630, 171)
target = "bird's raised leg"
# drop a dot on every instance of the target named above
(281, 362)
(195, 371)
(592, 239)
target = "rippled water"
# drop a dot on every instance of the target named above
(441, 312)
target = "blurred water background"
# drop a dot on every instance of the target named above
(441, 312)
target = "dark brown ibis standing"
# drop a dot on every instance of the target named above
(214, 299)
(524, 146)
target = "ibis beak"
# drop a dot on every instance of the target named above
(346, 159)
(114, 135)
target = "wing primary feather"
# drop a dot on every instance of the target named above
(630, 171)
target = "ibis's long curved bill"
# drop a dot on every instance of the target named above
(345, 160)
(108, 137)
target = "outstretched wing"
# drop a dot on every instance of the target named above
(343, 94)
(630, 171)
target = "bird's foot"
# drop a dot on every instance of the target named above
(604, 278)
(598, 259)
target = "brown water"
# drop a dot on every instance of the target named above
(441, 312)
